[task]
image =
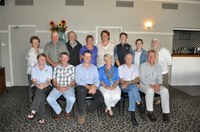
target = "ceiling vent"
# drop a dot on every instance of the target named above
(23, 2)
(169, 6)
(124, 3)
(74, 2)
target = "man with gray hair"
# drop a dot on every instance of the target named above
(151, 82)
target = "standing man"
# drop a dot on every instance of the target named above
(122, 49)
(87, 79)
(53, 49)
(129, 78)
(64, 82)
(151, 79)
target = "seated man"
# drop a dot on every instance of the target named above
(129, 78)
(87, 79)
(63, 81)
(151, 79)
(41, 75)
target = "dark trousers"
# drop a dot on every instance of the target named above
(81, 93)
(38, 103)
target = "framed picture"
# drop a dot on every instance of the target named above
(114, 33)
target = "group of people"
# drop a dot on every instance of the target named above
(103, 72)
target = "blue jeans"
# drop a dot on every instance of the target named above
(133, 96)
(55, 94)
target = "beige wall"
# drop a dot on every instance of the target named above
(98, 13)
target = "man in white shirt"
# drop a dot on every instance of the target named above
(129, 78)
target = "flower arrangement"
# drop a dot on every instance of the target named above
(61, 27)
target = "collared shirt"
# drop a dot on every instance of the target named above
(64, 75)
(128, 73)
(150, 74)
(94, 54)
(41, 76)
(31, 58)
(104, 78)
(84, 76)
(54, 51)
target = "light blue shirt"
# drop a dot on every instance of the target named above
(41, 76)
(84, 76)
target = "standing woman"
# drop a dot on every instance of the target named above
(89, 46)
(109, 80)
(139, 54)
(31, 58)
(73, 47)
(104, 47)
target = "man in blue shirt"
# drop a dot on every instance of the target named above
(87, 79)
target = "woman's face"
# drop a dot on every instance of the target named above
(72, 37)
(139, 45)
(90, 41)
(108, 61)
(104, 37)
(35, 43)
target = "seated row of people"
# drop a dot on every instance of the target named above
(102, 85)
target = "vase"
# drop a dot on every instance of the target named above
(62, 37)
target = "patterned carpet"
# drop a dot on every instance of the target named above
(185, 116)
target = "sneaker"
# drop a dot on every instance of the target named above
(81, 119)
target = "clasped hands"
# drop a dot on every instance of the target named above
(156, 87)
(92, 89)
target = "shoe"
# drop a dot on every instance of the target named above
(133, 120)
(68, 115)
(166, 117)
(157, 101)
(57, 116)
(41, 121)
(81, 119)
(31, 115)
(151, 116)
(141, 108)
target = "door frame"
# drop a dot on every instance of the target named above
(10, 49)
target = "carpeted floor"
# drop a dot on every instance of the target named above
(191, 90)
(185, 116)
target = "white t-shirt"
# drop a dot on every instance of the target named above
(137, 58)
(128, 73)
(104, 50)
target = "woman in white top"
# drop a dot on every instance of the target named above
(104, 47)
(31, 58)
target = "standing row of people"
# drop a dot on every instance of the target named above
(87, 78)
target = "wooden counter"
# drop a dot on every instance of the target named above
(2, 80)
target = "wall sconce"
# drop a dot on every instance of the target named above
(148, 24)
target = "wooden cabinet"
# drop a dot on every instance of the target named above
(2, 80)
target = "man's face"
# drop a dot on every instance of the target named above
(64, 59)
(55, 37)
(123, 39)
(41, 60)
(151, 57)
(87, 57)
(129, 59)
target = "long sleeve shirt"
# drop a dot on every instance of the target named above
(89, 75)
(150, 74)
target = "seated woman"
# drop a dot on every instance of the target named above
(89, 46)
(109, 80)
(41, 75)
